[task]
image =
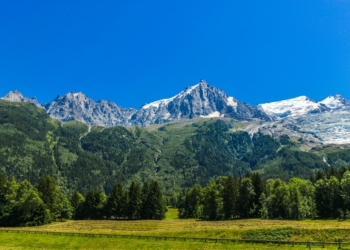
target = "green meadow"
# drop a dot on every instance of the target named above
(36, 241)
(313, 230)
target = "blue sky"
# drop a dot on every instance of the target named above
(134, 52)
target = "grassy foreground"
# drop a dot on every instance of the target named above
(35, 241)
(313, 230)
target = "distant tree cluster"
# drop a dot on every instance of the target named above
(21, 204)
(326, 195)
(137, 202)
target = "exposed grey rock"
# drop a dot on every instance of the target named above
(77, 106)
(16, 96)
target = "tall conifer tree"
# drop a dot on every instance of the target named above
(259, 187)
(154, 204)
(116, 202)
(230, 196)
(144, 196)
(135, 201)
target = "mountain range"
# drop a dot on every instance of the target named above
(190, 138)
(317, 123)
(200, 100)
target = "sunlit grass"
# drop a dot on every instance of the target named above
(36, 241)
(172, 213)
(253, 228)
(313, 230)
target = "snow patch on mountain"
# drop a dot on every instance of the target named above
(336, 102)
(232, 102)
(165, 102)
(212, 115)
(293, 107)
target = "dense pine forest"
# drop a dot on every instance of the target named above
(22, 204)
(326, 195)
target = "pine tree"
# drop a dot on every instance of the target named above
(93, 206)
(328, 197)
(117, 202)
(259, 188)
(230, 195)
(135, 201)
(144, 195)
(154, 205)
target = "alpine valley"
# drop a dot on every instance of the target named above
(196, 135)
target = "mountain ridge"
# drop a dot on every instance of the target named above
(315, 123)
(200, 100)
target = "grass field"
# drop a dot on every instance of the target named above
(35, 241)
(313, 230)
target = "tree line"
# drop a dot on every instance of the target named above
(325, 195)
(22, 204)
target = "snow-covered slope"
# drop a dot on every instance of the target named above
(165, 102)
(336, 102)
(294, 107)
(313, 129)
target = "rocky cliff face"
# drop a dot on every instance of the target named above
(16, 96)
(77, 106)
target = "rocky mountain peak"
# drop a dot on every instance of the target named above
(200, 100)
(16, 96)
(78, 106)
(75, 96)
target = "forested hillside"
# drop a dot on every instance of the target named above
(177, 155)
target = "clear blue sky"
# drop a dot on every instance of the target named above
(134, 52)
